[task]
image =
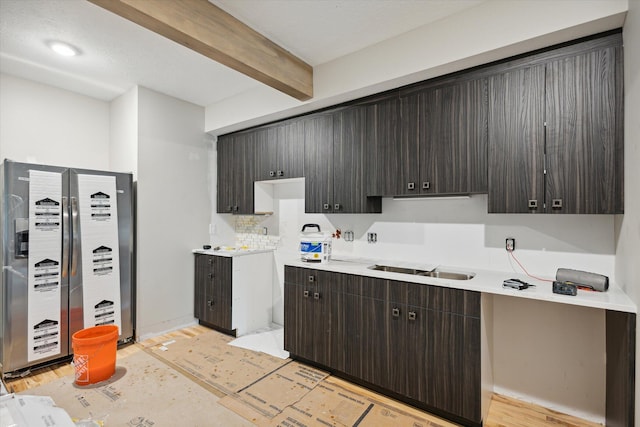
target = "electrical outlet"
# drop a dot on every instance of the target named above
(510, 244)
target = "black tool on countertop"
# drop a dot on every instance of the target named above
(564, 288)
(206, 247)
(516, 284)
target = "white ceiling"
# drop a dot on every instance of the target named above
(118, 54)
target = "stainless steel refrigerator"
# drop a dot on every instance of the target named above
(67, 260)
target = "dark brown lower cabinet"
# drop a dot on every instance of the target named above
(418, 333)
(373, 335)
(621, 356)
(307, 305)
(346, 324)
(398, 349)
(212, 303)
(453, 370)
(417, 343)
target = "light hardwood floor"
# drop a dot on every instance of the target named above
(504, 411)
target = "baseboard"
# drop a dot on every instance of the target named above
(596, 418)
(151, 331)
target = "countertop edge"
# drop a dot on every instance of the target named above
(231, 254)
(486, 281)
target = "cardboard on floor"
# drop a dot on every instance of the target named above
(210, 359)
(143, 392)
(273, 392)
(203, 381)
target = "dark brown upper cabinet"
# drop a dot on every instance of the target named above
(455, 159)
(584, 136)
(516, 135)
(555, 133)
(431, 139)
(443, 139)
(280, 151)
(540, 132)
(236, 155)
(334, 163)
(383, 158)
(318, 164)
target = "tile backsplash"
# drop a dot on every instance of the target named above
(250, 232)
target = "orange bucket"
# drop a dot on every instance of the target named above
(94, 353)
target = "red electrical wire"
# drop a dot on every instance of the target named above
(525, 270)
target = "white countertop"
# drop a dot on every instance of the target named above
(228, 251)
(486, 281)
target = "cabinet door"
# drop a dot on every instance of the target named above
(266, 146)
(453, 139)
(397, 346)
(374, 333)
(236, 172)
(417, 332)
(383, 150)
(516, 141)
(202, 270)
(307, 314)
(218, 293)
(349, 163)
(453, 364)
(346, 324)
(244, 153)
(584, 138)
(318, 165)
(299, 320)
(290, 155)
(225, 196)
(320, 332)
(412, 129)
(293, 310)
(213, 290)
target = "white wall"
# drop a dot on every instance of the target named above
(461, 232)
(160, 139)
(173, 209)
(628, 225)
(43, 124)
(123, 147)
(492, 30)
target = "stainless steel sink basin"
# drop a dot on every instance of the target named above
(438, 272)
(393, 269)
(451, 275)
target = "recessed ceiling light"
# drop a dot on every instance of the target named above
(63, 49)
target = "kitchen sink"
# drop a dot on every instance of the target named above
(393, 269)
(438, 272)
(446, 274)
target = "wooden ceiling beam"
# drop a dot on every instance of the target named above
(212, 32)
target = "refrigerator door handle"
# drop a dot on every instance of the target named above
(75, 233)
(65, 237)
